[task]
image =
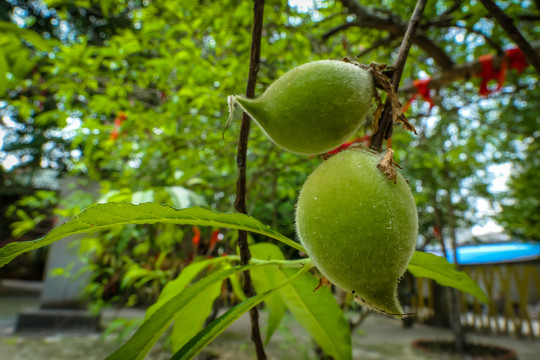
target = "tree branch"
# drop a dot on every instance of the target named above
(528, 17)
(367, 18)
(443, 18)
(507, 23)
(460, 72)
(241, 160)
(337, 29)
(487, 38)
(537, 2)
(384, 131)
(376, 44)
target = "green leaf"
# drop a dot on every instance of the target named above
(319, 313)
(36, 39)
(104, 4)
(153, 327)
(439, 269)
(106, 216)
(176, 286)
(216, 327)
(3, 72)
(192, 317)
(134, 273)
(183, 198)
(237, 287)
(140, 197)
(265, 279)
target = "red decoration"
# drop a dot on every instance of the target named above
(516, 59)
(118, 120)
(422, 89)
(364, 139)
(196, 236)
(437, 232)
(215, 238)
(114, 134)
(489, 73)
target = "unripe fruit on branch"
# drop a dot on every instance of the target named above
(314, 107)
(359, 227)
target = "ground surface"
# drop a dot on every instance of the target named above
(378, 338)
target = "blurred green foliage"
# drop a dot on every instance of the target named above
(133, 94)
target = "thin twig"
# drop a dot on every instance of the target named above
(486, 37)
(367, 17)
(241, 160)
(444, 18)
(376, 44)
(337, 29)
(384, 131)
(507, 23)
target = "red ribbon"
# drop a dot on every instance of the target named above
(118, 120)
(422, 89)
(489, 73)
(215, 238)
(196, 236)
(436, 231)
(516, 59)
(364, 139)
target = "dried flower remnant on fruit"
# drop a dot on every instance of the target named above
(382, 81)
(322, 282)
(388, 165)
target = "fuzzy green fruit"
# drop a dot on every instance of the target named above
(359, 227)
(313, 108)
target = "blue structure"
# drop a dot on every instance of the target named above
(507, 252)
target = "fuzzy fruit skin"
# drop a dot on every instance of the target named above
(359, 228)
(314, 107)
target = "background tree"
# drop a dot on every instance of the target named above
(115, 58)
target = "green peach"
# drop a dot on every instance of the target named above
(359, 227)
(313, 108)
